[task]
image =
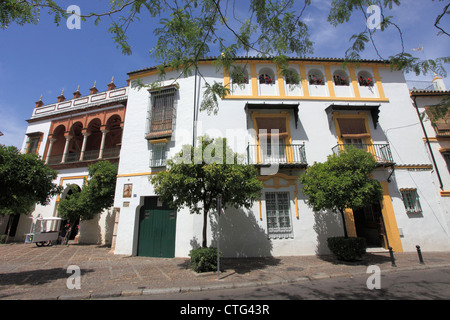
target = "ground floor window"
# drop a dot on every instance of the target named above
(278, 215)
(411, 200)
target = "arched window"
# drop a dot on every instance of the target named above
(365, 79)
(315, 77)
(292, 77)
(239, 75)
(266, 76)
(340, 78)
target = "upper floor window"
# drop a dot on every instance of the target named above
(162, 113)
(34, 140)
(292, 77)
(315, 77)
(266, 76)
(340, 78)
(239, 75)
(365, 79)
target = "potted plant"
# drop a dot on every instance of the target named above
(365, 82)
(314, 80)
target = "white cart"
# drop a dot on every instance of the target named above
(43, 231)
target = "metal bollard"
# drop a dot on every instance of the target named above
(419, 253)
(391, 253)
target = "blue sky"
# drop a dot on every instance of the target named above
(45, 59)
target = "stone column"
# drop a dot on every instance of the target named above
(49, 151)
(85, 134)
(102, 145)
(66, 148)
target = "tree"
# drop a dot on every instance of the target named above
(24, 181)
(196, 177)
(94, 197)
(191, 30)
(343, 181)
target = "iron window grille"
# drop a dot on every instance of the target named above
(279, 224)
(158, 155)
(411, 200)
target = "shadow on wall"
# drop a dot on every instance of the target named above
(327, 224)
(98, 230)
(240, 234)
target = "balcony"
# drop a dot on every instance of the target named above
(75, 157)
(286, 155)
(381, 152)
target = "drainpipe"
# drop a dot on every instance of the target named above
(428, 143)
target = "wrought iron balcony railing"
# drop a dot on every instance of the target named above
(283, 154)
(109, 153)
(381, 152)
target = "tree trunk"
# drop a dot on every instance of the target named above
(342, 211)
(205, 221)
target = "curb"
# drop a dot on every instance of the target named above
(231, 285)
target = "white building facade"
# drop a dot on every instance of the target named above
(366, 105)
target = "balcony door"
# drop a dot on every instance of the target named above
(273, 140)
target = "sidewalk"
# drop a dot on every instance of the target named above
(28, 272)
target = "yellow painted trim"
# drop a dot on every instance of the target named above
(159, 141)
(376, 73)
(445, 193)
(291, 181)
(137, 174)
(282, 93)
(61, 182)
(226, 79)
(304, 78)
(390, 223)
(260, 209)
(305, 97)
(350, 222)
(354, 80)
(329, 81)
(414, 166)
(254, 77)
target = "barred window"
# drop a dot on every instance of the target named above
(411, 200)
(161, 113)
(158, 155)
(278, 215)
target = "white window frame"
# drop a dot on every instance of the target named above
(277, 216)
(411, 201)
(158, 155)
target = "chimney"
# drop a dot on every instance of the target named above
(111, 85)
(61, 97)
(94, 89)
(438, 83)
(77, 93)
(39, 103)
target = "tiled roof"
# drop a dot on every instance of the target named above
(429, 92)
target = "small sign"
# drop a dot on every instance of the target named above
(126, 204)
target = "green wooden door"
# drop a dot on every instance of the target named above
(157, 227)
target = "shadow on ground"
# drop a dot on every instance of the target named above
(366, 260)
(36, 277)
